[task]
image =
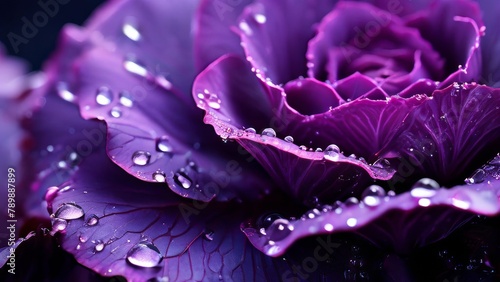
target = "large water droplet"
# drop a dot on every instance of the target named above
(183, 180)
(159, 176)
(477, 177)
(382, 163)
(104, 96)
(141, 158)
(59, 224)
(144, 255)
(373, 195)
(163, 145)
(266, 220)
(332, 148)
(130, 30)
(424, 188)
(126, 99)
(92, 220)
(289, 139)
(69, 211)
(279, 229)
(269, 132)
(99, 246)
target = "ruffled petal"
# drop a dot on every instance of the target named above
(146, 109)
(327, 174)
(358, 37)
(116, 224)
(147, 133)
(490, 43)
(401, 223)
(275, 42)
(449, 133)
(439, 24)
(310, 96)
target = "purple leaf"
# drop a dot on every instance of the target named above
(404, 222)
(308, 173)
(275, 42)
(449, 132)
(141, 230)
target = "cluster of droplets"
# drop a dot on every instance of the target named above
(64, 213)
(211, 99)
(104, 97)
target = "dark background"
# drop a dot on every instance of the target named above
(42, 44)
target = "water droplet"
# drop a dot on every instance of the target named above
(312, 213)
(183, 180)
(144, 255)
(319, 150)
(104, 96)
(424, 188)
(260, 18)
(59, 224)
(350, 202)
(135, 68)
(163, 82)
(92, 220)
(159, 176)
(289, 139)
(163, 145)
(269, 132)
(373, 195)
(382, 163)
(351, 222)
(115, 112)
(99, 246)
(303, 148)
(69, 211)
(64, 93)
(83, 238)
(73, 159)
(332, 148)
(328, 227)
(130, 30)
(245, 28)
(251, 130)
(208, 235)
(266, 220)
(477, 177)
(126, 99)
(279, 229)
(141, 158)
